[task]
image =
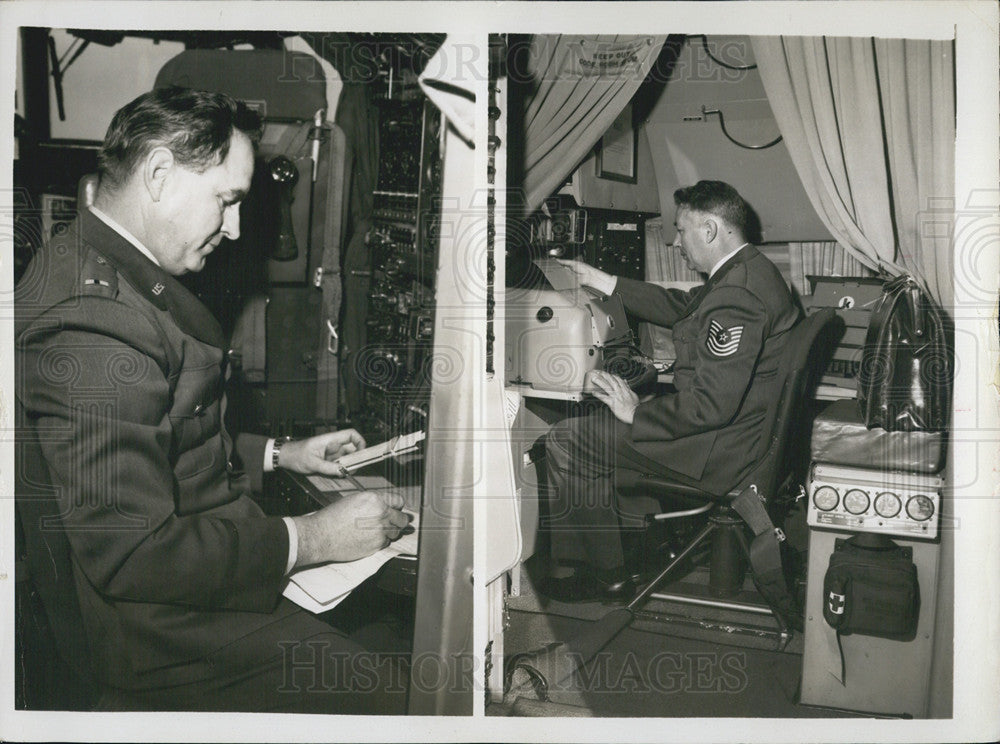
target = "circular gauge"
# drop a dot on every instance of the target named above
(920, 508)
(826, 498)
(887, 504)
(856, 501)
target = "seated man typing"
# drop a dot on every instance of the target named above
(729, 335)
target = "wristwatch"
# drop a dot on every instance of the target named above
(276, 450)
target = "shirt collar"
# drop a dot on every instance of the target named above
(159, 288)
(724, 259)
(124, 233)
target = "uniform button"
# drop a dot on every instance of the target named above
(198, 409)
(229, 466)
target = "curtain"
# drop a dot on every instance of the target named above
(917, 83)
(824, 94)
(859, 120)
(577, 86)
(664, 262)
(821, 258)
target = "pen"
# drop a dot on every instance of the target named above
(351, 479)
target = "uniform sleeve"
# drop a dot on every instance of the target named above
(728, 342)
(251, 449)
(652, 303)
(94, 386)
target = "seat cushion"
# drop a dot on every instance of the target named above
(839, 437)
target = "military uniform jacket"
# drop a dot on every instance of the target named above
(729, 335)
(120, 374)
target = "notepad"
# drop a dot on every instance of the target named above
(321, 588)
(401, 445)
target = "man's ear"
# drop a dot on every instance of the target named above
(157, 166)
(711, 228)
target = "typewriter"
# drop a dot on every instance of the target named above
(554, 338)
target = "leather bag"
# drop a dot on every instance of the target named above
(905, 379)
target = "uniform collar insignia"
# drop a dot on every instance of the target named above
(151, 281)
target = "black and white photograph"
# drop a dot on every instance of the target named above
(397, 371)
(224, 394)
(733, 414)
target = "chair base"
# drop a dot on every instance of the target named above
(730, 557)
(719, 549)
(688, 608)
(745, 633)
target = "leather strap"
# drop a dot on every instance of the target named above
(765, 551)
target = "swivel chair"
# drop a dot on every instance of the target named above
(772, 480)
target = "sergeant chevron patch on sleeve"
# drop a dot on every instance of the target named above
(722, 341)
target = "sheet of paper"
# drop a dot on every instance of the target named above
(368, 482)
(321, 588)
(560, 277)
(303, 600)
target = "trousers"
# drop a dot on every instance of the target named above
(341, 662)
(587, 458)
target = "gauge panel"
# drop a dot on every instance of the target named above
(857, 500)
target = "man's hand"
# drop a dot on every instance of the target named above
(589, 276)
(615, 393)
(351, 528)
(317, 454)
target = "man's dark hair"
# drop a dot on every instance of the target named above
(195, 125)
(720, 199)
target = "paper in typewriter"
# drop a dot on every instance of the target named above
(560, 277)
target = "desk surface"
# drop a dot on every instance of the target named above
(823, 392)
(835, 392)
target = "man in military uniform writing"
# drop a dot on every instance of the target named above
(178, 573)
(729, 335)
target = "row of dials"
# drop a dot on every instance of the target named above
(887, 504)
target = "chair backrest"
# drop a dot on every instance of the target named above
(809, 344)
(47, 556)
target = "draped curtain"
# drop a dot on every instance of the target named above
(664, 262)
(577, 87)
(918, 99)
(869, 125)
(821, 258)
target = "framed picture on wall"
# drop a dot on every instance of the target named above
(618, 150)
